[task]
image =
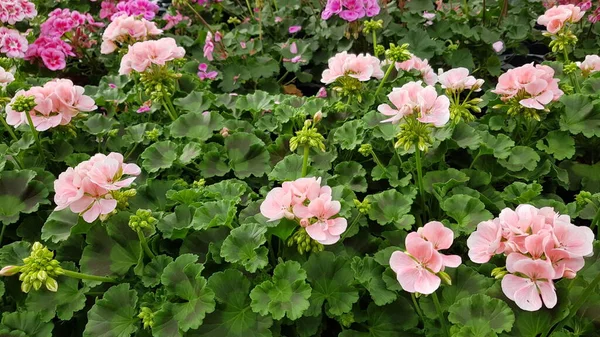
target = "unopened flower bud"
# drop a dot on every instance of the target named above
(318, 117)
(498, 273)
(9, 270)
(51, 284)
(224, 132)
(445, 277)
(304, 222)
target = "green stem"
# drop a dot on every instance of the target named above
(2, 233)
(305, 160)
(576, 306)
(144, 243)
(387, 74)
(355, 221)
(130, 151)
(574, 81)
(420, 178)
(275, 5)
(595, 221)
(376, 160)
(483, 14)
(417, 307)
(440, 313)
(35, 136)
(374, 43)
(9, 129)
(81, 276)
(250, 8)
(475, 159)
(168, 106)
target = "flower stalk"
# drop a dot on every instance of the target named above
(82, 276)
(438, 309)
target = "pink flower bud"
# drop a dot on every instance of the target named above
(304, 222)
(224, 132)
(317, 117)
(9, 270)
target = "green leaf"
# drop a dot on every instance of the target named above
(285, 295)
(160, 155)
(153, 271)
(115, 315)
(99, 124)
(391, 207)
(481, 310)
(182, 279)
(175, 225)
(233, 317)
(111, 249)
(61, 224)
(288, 169)
(214, 214)
(2, 288)
(330, 278)
(190, 152)
(580, 115)
(194, 102)
(13, 254)
(467, 211)
(369, 273)
(387, 321)
(499, 146)
(196, 125)
(521, 157)
(244, 246)
(349, 135)
(465, 136)
(441, 182)
(461, 58)
(67, 300)
(559, 144)
(20, 193)
(24, 324)
(521, 193)
(351, 174)
(247, 154)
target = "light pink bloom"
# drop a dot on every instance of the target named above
(532, 286)
(486, 241)
(293, 48)
(108, 172)
(417, 268)
(458, 79)
(590, 65)
(142, 55)
(534, 86)
(12, 43)
(126, 30)
(9, 270)
(325, 230)
(555, 18)
(498, 46)
(209, 46)
(428, 16)
(277, 204)
(224, 132)
(294, 29)
(13, 11)
(422, 66)
(412, 98)
(278, 19)
(441, 237)
(6, 77)
(361, 67)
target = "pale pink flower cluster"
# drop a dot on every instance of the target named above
(458, 79)
(533, 86)
(12, 43)
(127, 30)
(311, 204)
(590, 64)
(143, 55)
(174, 20)
(6, 77)
(413, 98)
(57, 102)
(421, 66)
(350, 10)
(417, 268)
(362, 67)
(541, 246)
(555, 18)
(86, 189)
(13, 11)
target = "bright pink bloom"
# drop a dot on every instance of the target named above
(126, 30)
(555, 18)
(322, 93)
(142, 55)
(350, 10)
(209, 46)
(486, 241)
(361, 67)
(203, 74)
(6, 77)
(458, 79)
(422, 66)
(174, 20)
(13, 11)
(417, 268)
(294, 29)
(590, 65)
(533, 86)
(145, 8)
(412, 98)
(531, 286)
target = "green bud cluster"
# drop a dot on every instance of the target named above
(398, 53)
(122, 197)
(198, 183)
(562, 40)
(570, 68)
(372, 25)
(379, 50)
(463, 112)
(142, 219)
(308, 136)
(40, 269)
(158, 82)
(304, 242)
(452, 46)
(498, 273)
(153, 134)
(349, 86)
(233, 20)
(363, 207)
(414, 133)
(346, 319)
(566, 88)
(23, 103)
(147, 317)
(583, 198)
(365, 149)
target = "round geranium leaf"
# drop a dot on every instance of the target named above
(481, 310)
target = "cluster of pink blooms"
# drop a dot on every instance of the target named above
(417, 268)
(540, 246)
(555, 18)
(350, 10)
(458, 79)
(6, 77)
(204, 74)
(306, 201)
(591, 64)
(12, 43)
(413, 98)
(57, 102)
(50, 47)
(13, 11)
(143, 55)
(422, 66)
(86, 189)
(174, 20)
(361, 67)
(144, 8)
(533, 86)
(126, 30)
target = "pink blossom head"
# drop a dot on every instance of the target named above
(555, 18)
(294, 29)
(277, 205)
(590, 65)
(532, 287)
(486, 241)
(411, 99)
(457, 80)
(498, 46)
(6, 77)
(142, 55)
(361, 67)
(12, 43)
(416, 268)
(420, 65)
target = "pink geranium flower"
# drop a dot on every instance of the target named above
(412, 98)
(350, 10)
(498, 46)
(486, 241)
(361, 67)
(12, 43)
(416, 268)
(209, 46)
(6, 77)
(13, 11)
(142, 55)
(458, 79)
(590, 65)
(204, 74)
(441, 237)
(127, 29)
(555, 18)
(108, 172)
(530, 284)
(294, 29)
(277, 204)
(422, 66)
(325, 230)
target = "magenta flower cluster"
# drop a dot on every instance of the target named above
(144, 8)
(350, 10)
